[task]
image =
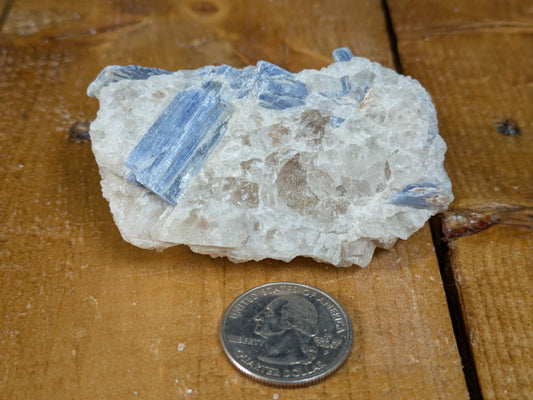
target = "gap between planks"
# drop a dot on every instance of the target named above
(393, 40)
(442, 253)
(455, 309)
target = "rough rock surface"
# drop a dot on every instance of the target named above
(261, 163)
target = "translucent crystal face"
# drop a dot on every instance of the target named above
(261, 163)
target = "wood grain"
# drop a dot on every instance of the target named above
(85, 315)
(436, 18)
(4, 11)
(473, 57)
(493, 272)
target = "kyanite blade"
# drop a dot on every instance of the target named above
(177, 145)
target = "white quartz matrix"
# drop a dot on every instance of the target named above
(355, 166)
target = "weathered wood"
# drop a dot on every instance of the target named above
(474, 58)
(85, 315)
(4, 11)
(493, 273)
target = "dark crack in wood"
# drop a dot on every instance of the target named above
(455, 308)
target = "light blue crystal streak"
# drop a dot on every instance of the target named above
(416, 195)
(177, 145)
(342, 54)
(277, 88)
(115, 73)
(336, 121)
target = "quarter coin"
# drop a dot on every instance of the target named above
(286, 334)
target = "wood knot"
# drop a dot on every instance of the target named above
(507, 127)
(204, 7)
(79, 132)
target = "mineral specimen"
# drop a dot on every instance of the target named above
(261, 163)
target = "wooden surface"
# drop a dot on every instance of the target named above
(498, 261)
(85, 315)
(475, 58)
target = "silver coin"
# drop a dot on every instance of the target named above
(286, 334)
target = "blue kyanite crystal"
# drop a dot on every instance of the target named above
(115, 73)
(277, 88)
(417, 195)
(174, 149)
(342, 54)
(346, 85)
(336, 121)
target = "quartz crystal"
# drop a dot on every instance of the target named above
(259, 162)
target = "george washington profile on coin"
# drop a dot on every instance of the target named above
(288, 325)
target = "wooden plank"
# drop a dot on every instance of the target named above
(435, 17)
(493, 272)
(473, 57)
(84, 314)
(4, 11)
